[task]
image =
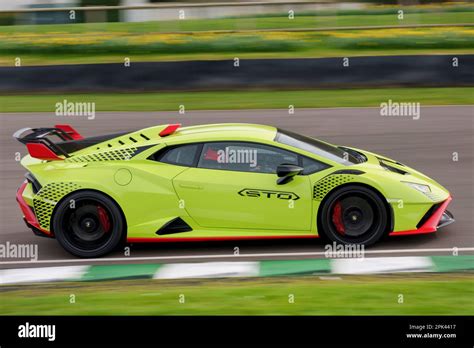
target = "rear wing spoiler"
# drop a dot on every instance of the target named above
(39, 144)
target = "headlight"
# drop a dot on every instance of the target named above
(418, 187)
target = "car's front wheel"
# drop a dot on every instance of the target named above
(88, 224)
(354, 215)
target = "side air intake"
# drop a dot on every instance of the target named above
(176, 225)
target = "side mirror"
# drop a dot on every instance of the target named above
(286, 172)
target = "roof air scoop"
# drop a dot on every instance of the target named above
(169, 129)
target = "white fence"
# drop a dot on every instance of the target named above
(141, 10)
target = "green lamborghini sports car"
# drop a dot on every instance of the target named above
(216, 182)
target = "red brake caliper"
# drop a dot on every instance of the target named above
(337, 218)
(104, 218)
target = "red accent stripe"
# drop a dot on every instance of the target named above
(431, 224)
(69, 130)
(215, 239)
(27, 211)
(170, 129)
(41, 151)
(410, 232)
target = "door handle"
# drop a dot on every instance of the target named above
(191, 186)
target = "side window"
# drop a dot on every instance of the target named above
(244, 157)
(311, 166)
(183, 155)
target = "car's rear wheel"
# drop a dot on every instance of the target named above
(354, 215)
(88, 224)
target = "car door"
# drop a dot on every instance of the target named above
(234, 185)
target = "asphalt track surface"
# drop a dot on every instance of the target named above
(426, 144)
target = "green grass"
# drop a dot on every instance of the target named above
(422, 295)
(168, 101)
(145, 41)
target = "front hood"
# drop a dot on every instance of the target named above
(397, 171)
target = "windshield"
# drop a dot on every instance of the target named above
(316, 147)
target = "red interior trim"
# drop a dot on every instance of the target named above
(211, 155)
(431, 224)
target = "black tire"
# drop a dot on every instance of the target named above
(353, 215)
(90, 227)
